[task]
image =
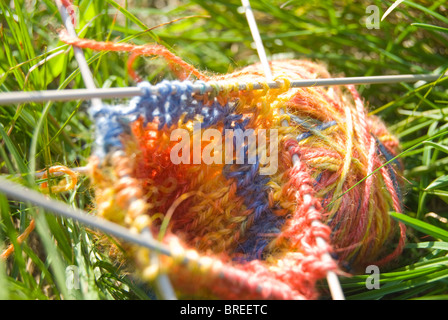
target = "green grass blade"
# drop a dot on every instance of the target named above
(57, 263)
(429, 245)
(430, 27)
(421, 226)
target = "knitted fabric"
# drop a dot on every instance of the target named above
(247, 235)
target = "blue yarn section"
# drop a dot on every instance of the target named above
(252, 187)
(314, 127)
(382, 150)
(389, 167)
(312, 131)
(167, 101)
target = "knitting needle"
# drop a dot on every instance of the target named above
(257, 39)
(332, 278)
(162, 281)
(7, 98)
(18, 192)
(68, 94)
(79, 55)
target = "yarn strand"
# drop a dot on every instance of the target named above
(143, 50)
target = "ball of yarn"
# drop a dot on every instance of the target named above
(247, 234)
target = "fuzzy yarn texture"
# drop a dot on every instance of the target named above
(246, 235)
(235, 233)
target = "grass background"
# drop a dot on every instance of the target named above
(214, 36)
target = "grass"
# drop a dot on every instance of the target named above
(213, 35)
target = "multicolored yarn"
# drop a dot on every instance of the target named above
(248, 235)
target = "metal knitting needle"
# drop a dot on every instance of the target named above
(10, 98)
(162, 283)
(79, 54)
(332, 278)
(68, 95)
(257, 39)
(18, 192)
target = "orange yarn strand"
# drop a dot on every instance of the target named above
(5, 255)
(61, 187)
(136, 50)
